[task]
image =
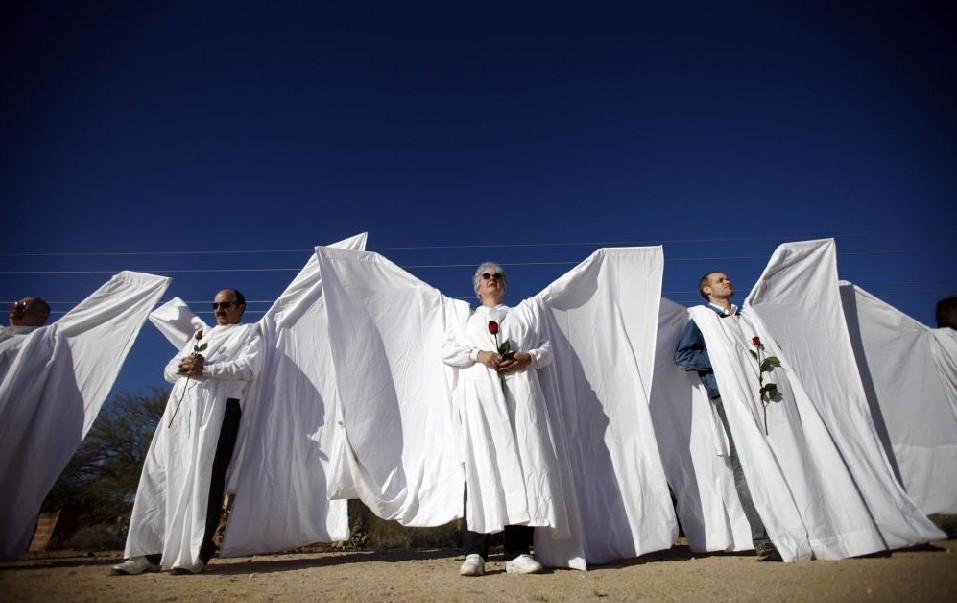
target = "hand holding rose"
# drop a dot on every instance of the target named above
(518, 361)
(191, 365)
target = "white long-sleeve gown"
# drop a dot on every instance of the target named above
(511, 466)
(169, 512)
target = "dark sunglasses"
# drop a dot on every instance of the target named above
(489, 275)
(19, 305)
(223, 305)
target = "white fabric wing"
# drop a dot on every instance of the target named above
(797, 297)
(290, 436)
(903, 366)
(603, 319)
(386, 330)
(56, 380)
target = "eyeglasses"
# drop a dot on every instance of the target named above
(490, 275)
(223, 305)
(22, 306)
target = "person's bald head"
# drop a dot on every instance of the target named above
(28, 312)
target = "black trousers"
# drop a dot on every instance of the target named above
(217, 482)
(517, 541)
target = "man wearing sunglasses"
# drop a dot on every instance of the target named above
(28, 312)
(179, 500)
(25, 316)
(54, 379)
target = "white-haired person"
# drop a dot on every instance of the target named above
(509, 459)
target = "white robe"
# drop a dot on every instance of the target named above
(169, 512)
(694, 447)
(404, 416)
(53, 382)
(511, 465)
(909, 373)
(801, 489)
(291, 436)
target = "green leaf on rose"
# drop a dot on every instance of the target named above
(769, 363)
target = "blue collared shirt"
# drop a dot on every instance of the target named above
(692, 353)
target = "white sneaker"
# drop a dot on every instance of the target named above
(474, 565)
(524, 564)
(134, 566)
(188, 570)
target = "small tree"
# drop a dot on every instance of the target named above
(101, 478)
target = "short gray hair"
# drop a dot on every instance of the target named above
(487, 267)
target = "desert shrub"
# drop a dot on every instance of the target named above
(97, 537)
(368, 531)
(100, 481)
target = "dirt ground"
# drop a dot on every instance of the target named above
(927, 573)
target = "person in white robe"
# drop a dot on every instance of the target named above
(291, 424)
(509, 487)
(53, 382)
(818, 476)
(691, 354)
(405, 419)
(179, 499)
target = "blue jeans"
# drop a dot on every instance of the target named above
(759, 534)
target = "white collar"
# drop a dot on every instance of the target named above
(724, 312)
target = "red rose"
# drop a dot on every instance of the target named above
(756, 341)
(199, 335)
(493, 327)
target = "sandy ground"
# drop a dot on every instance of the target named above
(926, 573)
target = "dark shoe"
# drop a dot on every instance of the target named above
(766, 551)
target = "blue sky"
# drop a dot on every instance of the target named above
(457, 132)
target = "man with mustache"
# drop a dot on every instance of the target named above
(179, 499)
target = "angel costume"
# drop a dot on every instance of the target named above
(53, 382)
(574, 449)
(819, 480)
(291, 435)
(170, 510)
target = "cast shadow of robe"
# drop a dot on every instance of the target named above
(287, 441)
(849, 303)
(605, 513)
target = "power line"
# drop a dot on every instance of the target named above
(197, 303)
(467, 265)
(486, 246)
